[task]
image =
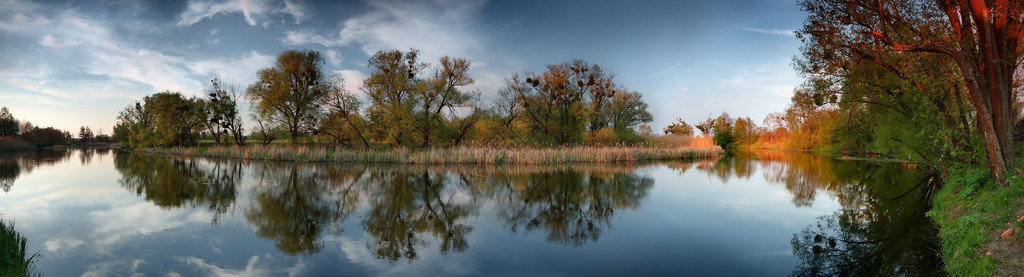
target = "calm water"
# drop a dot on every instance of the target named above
(104, 213)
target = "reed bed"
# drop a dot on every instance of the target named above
(455, 155)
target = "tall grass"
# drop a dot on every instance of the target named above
(14, 260)
(456, 155)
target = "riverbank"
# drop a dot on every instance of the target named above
(457, 155)
(973, 215)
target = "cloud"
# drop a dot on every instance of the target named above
(54, 42)
(778, 32)
(432, 26)
(353, 80)
(333, 57)
(252, 10)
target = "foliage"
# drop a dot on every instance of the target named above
(162, 119)
(8, 125)
(14, 258)
(723, 130)
(392, 87)
(679, 127)
(45, 135)
(222, 112)
(288, 94)
(558, 105)
(943, 52)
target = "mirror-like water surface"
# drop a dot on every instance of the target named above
(96, 212)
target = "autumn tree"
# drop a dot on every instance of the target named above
(705, 126)
(8, 125)
(288, 94)
(554, 107)
(982, 38)
(679, 127)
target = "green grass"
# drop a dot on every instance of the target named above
(14, 260)
(971, 212)
(456, 155)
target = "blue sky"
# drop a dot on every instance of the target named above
(67, 63)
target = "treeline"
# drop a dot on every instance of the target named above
(405, 102)
(24, 134)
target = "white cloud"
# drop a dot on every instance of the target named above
(778, 32)
(240, 70)
(333, 57)
(353, 80)
(54, 42)
(435, 27)
(252, 10)
(252, 268)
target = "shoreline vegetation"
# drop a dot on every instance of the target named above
(14, 258)
(453, 155)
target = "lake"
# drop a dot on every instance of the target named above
(109, 213)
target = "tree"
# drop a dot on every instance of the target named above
(723, 130)
(982, 38)
(85, 134)
(176, 120)
(554, 107)
(679, 127)
(392, 88)
(288, 94)
(222, 109)
(8, 125)
(343, 110)
(442, 93)
(627, 110)
(706, 125)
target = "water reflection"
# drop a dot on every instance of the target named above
(881, 229)
(572, 207)
(405, 206)
(14, 164)
(294, 204)
(888, 236)
(174, 182)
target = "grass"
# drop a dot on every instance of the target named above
(972, 212)
(456, 155)
(14, 260)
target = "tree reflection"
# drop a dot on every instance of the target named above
(295, 203)
(174, 182)
(881, 229)
(9, 171)
(406, 206)
(573, 207)
(888, 236)
(12, 165)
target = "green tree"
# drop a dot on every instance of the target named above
(343, 121)
(626, 110)
(222, 109)
(723, 130)
(392, 87)
(288, 94)
(8, 125)
(443, 93)
(981, 38)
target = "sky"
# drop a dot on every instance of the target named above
(69, 64)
